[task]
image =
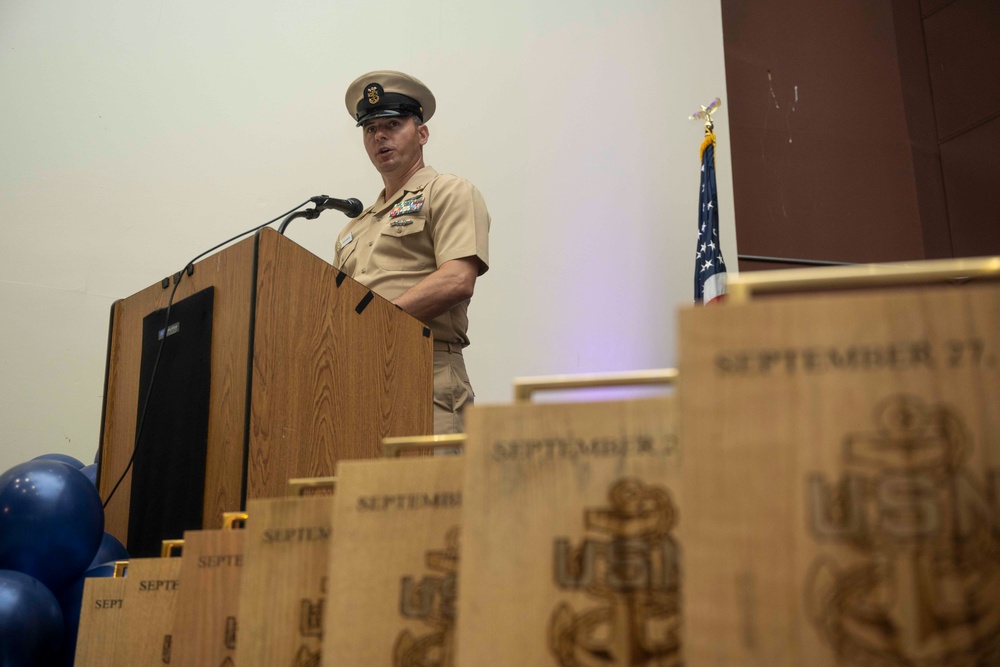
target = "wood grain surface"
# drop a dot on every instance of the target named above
(394, 562)
(101, 611)
(570, 535)
(145, 636)
(327, 381)
(841, 472)
(283, 588)
(230, 271)
(205, 630)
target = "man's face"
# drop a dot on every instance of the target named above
(394, 144)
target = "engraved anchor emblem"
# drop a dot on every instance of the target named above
(310, 625)
(433, 602)
(306, 658)
(633, 570)
(311, 618)
(923, 583)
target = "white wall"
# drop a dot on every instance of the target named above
(135, 135)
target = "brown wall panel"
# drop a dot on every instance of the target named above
(963, 49)
(928, 7)
(971, 162)
(822, 157)
(826, 197)
(922, 129)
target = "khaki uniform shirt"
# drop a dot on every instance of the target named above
(400, 240)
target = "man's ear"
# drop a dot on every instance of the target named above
(424, 134)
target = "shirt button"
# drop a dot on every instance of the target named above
(370, 243)
(364, 270)
(378, 218)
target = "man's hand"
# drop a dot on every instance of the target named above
(452, 283)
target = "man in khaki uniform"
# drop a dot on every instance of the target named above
(424, 241)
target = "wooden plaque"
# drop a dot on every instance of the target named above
(394, 564)
(146, 631)
(101, 611)
(842, 479)
(283, 589)
(569, 535)
(208, 599)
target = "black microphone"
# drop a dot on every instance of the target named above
(350, 207)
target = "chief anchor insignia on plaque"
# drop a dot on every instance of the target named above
(432, 601)
(921, 584)
(306, 658)
(310, 625)
(629, 572)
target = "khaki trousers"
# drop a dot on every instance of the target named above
(452, 389)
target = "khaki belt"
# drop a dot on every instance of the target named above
(445, 346)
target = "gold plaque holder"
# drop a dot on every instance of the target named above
(751, 284)
(396, 447)
(526, 387)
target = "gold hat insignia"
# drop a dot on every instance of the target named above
(372, 95)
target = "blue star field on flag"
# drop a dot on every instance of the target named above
(710, 268)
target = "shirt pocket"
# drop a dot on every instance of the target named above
(404, 245)
(343, 255)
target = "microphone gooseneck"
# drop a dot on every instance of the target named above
(352, 208)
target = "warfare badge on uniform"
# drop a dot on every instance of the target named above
(407, 207)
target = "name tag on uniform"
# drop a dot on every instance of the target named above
(347, 239)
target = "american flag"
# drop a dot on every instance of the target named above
(709, 267)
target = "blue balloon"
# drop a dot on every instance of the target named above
(64, 458)
(109, 551)
(69, 602)
(90, 472)
(104, 570)
(31, 623)
(51, 521)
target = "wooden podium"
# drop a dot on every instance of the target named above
(308, 367)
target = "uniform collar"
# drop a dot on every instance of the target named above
(417, 182)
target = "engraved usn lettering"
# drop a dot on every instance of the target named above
(155, 585)
(410, 501)
(627, 565)
(972, 502)
(905, 506)
(305, 534)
